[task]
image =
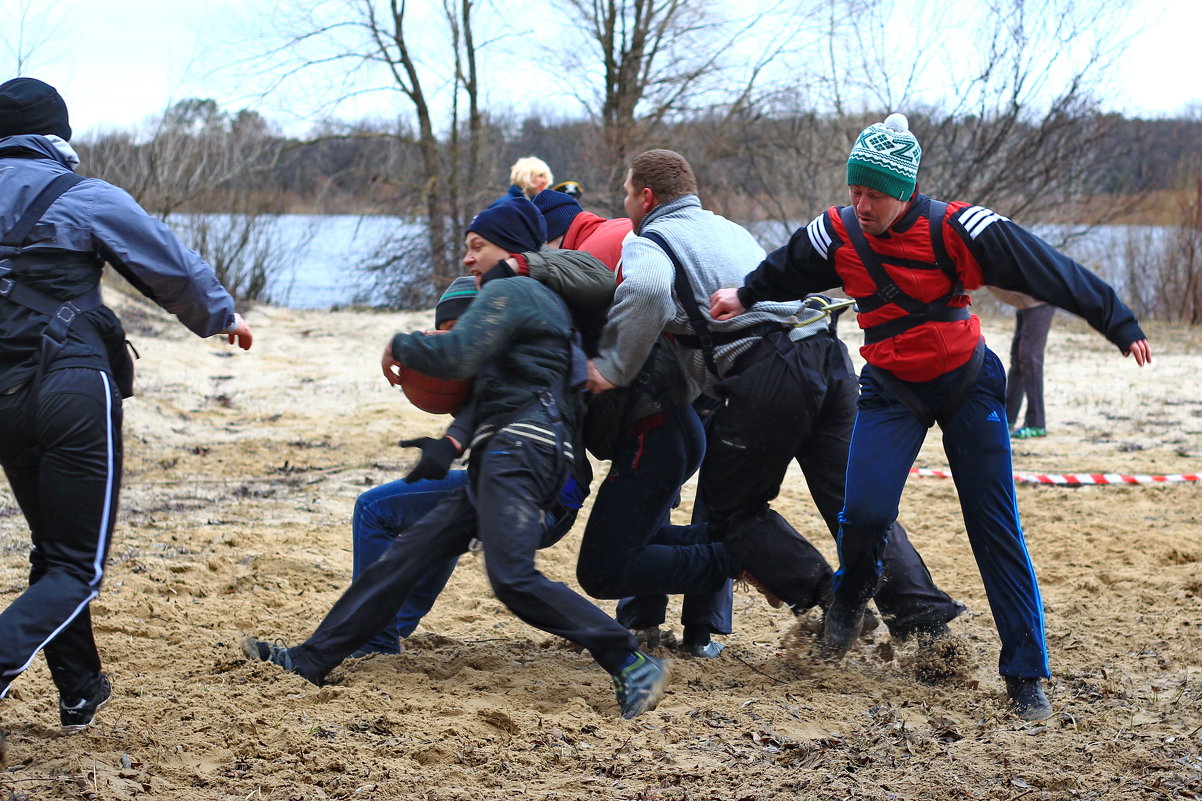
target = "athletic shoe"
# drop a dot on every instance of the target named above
(1027, 698)
(842, 627)
(697, 642)
(773, 601)
(1027, 432)
(706, 650)
(274, 652)
(639, 684)
(76, 714)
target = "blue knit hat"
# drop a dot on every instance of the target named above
(515, 225)
(559, 209)
(455, 300)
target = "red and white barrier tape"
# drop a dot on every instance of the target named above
(1074, 480)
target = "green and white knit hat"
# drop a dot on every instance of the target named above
(885, 157)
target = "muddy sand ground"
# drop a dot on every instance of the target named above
(241, 473)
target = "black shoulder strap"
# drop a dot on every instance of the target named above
(936, 211)
(684, 293)
(886, 290)
(50, 193)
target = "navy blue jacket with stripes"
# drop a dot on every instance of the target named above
(983, 246)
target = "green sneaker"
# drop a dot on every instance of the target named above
(639, 684)
(1028, 432)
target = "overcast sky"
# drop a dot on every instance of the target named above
(118, 62)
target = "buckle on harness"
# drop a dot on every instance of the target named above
(67, 313)
(6, 287)
(889, 291)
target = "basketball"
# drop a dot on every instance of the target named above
(434, 395)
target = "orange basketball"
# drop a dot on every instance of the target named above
(434, 395)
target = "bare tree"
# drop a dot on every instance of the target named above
(1005, 96)
(387, 46)
(29, 26)
(644, 63)
(198, 159)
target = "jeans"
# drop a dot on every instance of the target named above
(629, 547)
(381, 515)
(1026, 365)
(884, 444)
(512, 480)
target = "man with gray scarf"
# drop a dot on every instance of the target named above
(785, 391)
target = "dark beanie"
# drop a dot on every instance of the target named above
(455, 300)
(515, 225)
(559, 209)
(28, 106)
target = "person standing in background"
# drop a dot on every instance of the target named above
(1032, 320)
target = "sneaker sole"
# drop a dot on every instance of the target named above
(78, 727)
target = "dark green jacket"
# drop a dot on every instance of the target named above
(506, 325)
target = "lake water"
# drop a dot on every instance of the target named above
(324, 255)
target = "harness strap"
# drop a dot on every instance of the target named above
(887, 291)
(15, 237)
(727, 337)
(684, 293)
(904, 391)
(62, 314)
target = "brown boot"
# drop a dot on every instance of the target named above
(778, 561)
(747, 578)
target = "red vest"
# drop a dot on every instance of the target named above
(931, 349)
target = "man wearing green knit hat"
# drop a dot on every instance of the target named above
(885, 157)
(909, 261)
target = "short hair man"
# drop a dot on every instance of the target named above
(63, 373)
(654, 442)
(787, 393)
(909, 260)
(516, 341)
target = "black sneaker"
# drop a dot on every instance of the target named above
(640, 684)
(274, 652)
(843, 626)
(1027, 698)
(76, 714)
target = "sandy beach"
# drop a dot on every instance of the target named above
(241, 473)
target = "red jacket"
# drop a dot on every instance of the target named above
(983, 246)
(599, 237)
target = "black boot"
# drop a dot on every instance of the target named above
(844, 622)
(1027, 698)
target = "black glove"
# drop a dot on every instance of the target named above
(437, 455)
(499, 270)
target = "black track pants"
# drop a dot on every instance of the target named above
(64, 467)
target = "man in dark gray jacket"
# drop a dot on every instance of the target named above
(64, 370)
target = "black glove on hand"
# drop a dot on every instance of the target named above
(500, 270)
(437, 455)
